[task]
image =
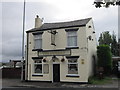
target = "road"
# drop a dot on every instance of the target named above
(17, 84)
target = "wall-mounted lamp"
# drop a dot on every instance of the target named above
(44, 60)
(54, 58)
(89, 26)
(93, 31)
(89, 37)
(54, 32)
(62, 60)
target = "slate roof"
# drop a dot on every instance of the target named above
(58, 25)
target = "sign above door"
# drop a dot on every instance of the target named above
(60, 52)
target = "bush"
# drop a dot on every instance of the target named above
(104, 58)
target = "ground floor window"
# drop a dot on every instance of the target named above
(72, 66)
(40, 67)
(46, 68)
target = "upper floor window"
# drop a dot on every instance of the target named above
(72, 38)
(37, 41)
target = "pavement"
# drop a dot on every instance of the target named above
(12, 83)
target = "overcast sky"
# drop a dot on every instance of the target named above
(105, 19)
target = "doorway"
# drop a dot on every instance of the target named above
(56, 72)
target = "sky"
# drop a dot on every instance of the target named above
(104, 19)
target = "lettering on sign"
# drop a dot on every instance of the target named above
(55, 52)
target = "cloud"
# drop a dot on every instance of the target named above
(0, 31)
(44, 10)
(12, 48)
(71, 10)
(119, 22)
(12, 13)
(11, 30)
(51, 11)
(105, 19)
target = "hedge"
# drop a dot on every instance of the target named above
(104, 58)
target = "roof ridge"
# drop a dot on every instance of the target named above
(58, 25)
(67, 21)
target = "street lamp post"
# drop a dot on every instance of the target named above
(22, 71)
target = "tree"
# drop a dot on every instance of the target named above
(105, 38)
(114, 45)
(110, 40)
(104, 58)
(106, 3)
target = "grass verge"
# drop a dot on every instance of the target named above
(97, 81)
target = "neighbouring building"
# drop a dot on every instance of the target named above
(11, 69)
(61, 52)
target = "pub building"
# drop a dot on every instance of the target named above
(61, 52)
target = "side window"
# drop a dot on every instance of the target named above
(72, 66)
(38, 41)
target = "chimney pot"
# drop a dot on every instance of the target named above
(37, 16)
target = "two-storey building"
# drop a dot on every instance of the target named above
(61, 52)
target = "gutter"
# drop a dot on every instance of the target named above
(46, 29)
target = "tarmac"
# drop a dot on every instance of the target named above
(12, 83)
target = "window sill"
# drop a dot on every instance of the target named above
(37, 49)
(72, 47)
(37, 57)
(37, 75)
(72, 75)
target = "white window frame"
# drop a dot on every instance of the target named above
(42, 63)
(75, 36)
(38, 64)
(76, 63)
(38, 37)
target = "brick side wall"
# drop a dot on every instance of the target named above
(11, 72)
